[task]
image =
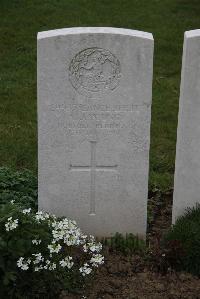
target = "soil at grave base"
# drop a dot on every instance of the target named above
(131, 278)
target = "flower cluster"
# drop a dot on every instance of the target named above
(38, 258)
(66, 230)
(39, 216)
(67, 262)
(11, 224)
(26, 211)
(96, 260)
(36, 242)
(54, 248)
(85, 270)
(23, 264)
(92, 246)
(57, 251)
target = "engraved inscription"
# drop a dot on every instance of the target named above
(93, 167)
(108, 120)
(94, 70)
(95, 107)
(76, 118)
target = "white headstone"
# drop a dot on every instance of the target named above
(94, 105)
(187, 168)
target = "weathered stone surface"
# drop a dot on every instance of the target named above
(187, 171)
(94, 105)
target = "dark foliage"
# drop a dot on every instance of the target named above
(184, 241)
(18, 186)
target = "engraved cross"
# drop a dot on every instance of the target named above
(93, 167)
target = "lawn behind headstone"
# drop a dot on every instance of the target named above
(21, 20)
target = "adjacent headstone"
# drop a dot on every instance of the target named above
(187, 170)
(94, 106)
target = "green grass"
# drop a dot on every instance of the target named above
(20, 20)
(128, 244)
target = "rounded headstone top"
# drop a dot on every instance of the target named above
(192, 33)
(92, 30)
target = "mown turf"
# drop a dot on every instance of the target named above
(20, 20)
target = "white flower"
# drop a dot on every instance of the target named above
(38, 268)
(12, 202)
(92, 246)
(46, 216)
(97, 259)
(83, 239)
(38, 258)
(11, 224)
(23, 264)
(26, 211)
(67, 231)
(96, 247)
(71, 240)
(85, 270)
(36, 242)
(54, 248)
(49, 266)
(47, 263)
(67, 262)
(52, 266)
(41, 216)
(58, 234)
